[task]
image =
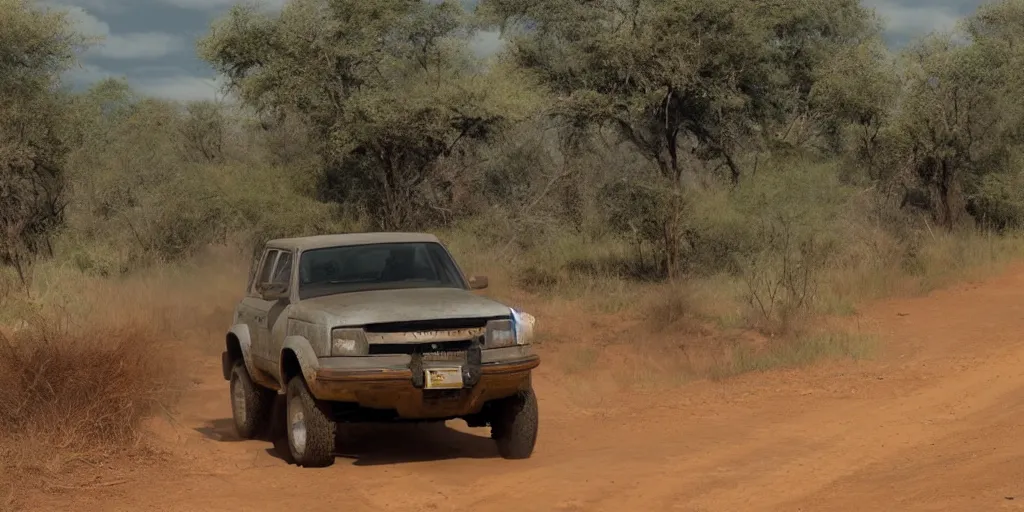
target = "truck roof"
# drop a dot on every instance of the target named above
(306, 243)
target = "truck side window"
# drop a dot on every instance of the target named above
(268, 266)
(283, 270)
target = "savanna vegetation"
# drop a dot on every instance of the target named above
(721, 166)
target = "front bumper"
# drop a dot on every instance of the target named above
(396, 386)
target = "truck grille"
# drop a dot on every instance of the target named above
(450, 351)
(430, 325)
(445, 356)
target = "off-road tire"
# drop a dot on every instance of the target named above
(514, 425)
(314, 449)
(251, 404)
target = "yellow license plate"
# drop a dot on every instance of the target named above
(443, 378)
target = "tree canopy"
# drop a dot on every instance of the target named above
(390, 88)
(652, 119)
(35, 47)
(701, 76)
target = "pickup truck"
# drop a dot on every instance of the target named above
(375, 327)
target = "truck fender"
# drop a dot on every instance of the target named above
(309, 363)
(241, 332)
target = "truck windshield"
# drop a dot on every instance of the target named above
(357, 268)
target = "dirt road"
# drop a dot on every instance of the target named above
(932, 423)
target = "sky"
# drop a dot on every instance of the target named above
(152, 42)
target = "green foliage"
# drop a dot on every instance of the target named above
(998, 201)
(679, 75)
(797, 223)
(696, 137)
(35, 47)
(697, 87)
(855, 92)
(953, 121)
(153, 182)
(204, 130)
(397, 92)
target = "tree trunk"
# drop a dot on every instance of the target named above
(734, 169)
(947, 186)
(671, 142)
(672, 231)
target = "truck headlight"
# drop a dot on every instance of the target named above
(348, 342)
(517, 330)
(523, 324)
(500, 333)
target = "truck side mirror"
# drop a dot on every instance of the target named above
(273, 291)
(478, 282)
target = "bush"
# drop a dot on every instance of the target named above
(184, 213)
(999, 201)
(84, 360)
(77, 392)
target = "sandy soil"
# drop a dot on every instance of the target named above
(932, 423)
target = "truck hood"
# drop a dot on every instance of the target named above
(406, 305)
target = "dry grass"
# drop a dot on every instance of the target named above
(78, 395)
(84, 360)
(190, 301)
(937, 260)
(793, 352)
(606, 327)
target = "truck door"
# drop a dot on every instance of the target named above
(277, 311)
(254, 312)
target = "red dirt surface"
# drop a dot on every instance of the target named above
(932, 423)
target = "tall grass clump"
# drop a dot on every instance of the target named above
(84, 360)
(78, 393)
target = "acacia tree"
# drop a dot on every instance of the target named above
(996, 194)
(687, 82)
(855, 92)
(388, 88)
(701, 75)
(640, 68)
(203, 131)
(959, 122)
(35, 47)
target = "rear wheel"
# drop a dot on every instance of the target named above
(251, 404)
(310, 432)
(514, 425)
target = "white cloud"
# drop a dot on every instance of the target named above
(132, 45)
(180, 88)
(216, 5)
(914, 20)
(177, 87)
(141, 45)
(86, 74)
(486, 43)
(96, 5)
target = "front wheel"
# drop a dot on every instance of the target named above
(251, 405)
(514, 425)
(310, 431)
